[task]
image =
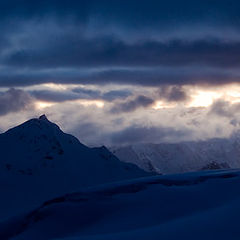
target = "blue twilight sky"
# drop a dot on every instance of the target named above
(121, 72)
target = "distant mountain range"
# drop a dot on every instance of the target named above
(39, 161)
(166, 158)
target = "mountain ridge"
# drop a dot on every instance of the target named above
(39, 161)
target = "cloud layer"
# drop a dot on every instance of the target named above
(14, 100)
(124, 71)
(148, 43)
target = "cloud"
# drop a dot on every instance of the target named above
(87, 93)
(53, 96)
(76, 50)
(226, 109)
(132, 105)
(139, 134)
(116, 94)
(123, 76)
(14, 100)
(79, 93)
(134, 13)
(91, 45)
(173, 94)
(138, 45)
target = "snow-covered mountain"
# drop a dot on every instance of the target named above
(39, 161)
(203, 205)
(167, 158)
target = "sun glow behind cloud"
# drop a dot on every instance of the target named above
(200, 104)
(161, 105)
(87, 103)
(42, 105)
(55, 86)
(204, 98)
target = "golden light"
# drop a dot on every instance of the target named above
(161, 105)
(87, 103)
(198, 96)
(55, 86)
(204, 98)
(41, 105)
(233, 96)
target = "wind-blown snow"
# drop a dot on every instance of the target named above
(202, 205)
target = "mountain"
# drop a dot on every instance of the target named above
(39, 161)
(166, 158)
(203, 205)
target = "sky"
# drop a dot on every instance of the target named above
(122, 72)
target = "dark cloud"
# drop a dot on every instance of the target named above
(173, 94)
(14, 100)
(87, 93)
(74, 59)
(73, 50)
(96, 94)
(140, 134)
(137, 76)
(148, 43)
(133, 12)
(54, 96)
(116, 94)
(132, 105)
(223, 108)
(79, 93)
(137, 42)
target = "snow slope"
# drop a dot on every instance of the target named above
(38, 161)
(203, 205)
(169, 158)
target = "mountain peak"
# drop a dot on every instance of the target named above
(43, 117)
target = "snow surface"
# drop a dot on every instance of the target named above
(168, 158)
(203, 205)
(38, 162)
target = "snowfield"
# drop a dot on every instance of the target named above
(203, 205)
